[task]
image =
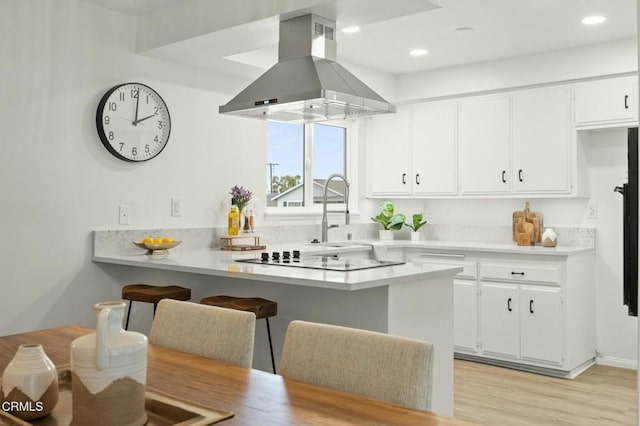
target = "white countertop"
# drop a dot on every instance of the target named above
(222, 263)
(506, 248)
(215, 262)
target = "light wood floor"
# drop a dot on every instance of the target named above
(494, 396)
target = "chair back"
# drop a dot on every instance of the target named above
(376, 365)
(217, 333)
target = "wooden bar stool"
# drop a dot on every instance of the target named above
(152, 294)
(262, 308)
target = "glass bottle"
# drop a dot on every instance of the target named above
(246, 229)
(252, 221)
(234, 219)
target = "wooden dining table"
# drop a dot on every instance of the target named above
(255, 397)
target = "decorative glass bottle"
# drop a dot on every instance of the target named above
(234, 220)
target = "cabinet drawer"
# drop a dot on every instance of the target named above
(516, 272)
(470, 268)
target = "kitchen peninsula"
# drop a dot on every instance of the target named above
(412, 300)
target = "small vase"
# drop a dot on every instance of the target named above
(109, 372)
(415, 236)
(385, 234)
(30, 381)
(549, 238)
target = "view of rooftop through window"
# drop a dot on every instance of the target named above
(286, 156)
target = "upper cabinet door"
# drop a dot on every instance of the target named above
(388, 140)
(608, 102)
(485, 145)
(542, 140)
(434, 155)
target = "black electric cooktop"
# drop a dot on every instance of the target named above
(318, 262)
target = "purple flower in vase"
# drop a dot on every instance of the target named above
(241, 196)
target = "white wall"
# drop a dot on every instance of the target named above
(58, 183)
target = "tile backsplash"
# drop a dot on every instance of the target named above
(120, 241)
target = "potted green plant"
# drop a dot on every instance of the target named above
(417, 222)
(390, 222)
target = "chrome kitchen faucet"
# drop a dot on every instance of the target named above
(325, 223)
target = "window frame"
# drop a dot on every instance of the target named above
(311, 210)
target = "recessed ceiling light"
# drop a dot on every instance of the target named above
(463, 29)
(593, 20)
(351, 30)
(418, 52)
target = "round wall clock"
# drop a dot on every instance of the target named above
(133, 122)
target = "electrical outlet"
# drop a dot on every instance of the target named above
(124, 213)
(176, 207)
(592, 211)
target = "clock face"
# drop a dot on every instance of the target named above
(133, 122)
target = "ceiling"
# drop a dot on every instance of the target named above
(500, 29)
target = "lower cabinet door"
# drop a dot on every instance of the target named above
(499, 320)
(465, 316)
(541, 324)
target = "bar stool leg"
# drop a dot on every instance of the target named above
(273, 362)
(126, 325)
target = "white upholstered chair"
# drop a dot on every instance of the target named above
(217, 333)
(376, 365)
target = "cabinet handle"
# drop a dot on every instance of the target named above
(504, 176)
(517, 273)
(626, 101)
(417, 178)
(520, 175)
(404, 178)
(509, 305)
(531, 306)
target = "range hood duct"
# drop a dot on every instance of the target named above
(307, 84)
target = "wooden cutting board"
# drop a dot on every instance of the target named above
(526, 226)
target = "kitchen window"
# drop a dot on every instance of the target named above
(299, 159)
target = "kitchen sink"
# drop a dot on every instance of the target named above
(337, 244)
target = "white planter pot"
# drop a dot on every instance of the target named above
(415, 236)
(385, 234)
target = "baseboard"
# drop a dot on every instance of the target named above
(553, 372)
(612, 361)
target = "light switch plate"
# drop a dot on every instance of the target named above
(124, 213)
(176, 207)
(592, 211)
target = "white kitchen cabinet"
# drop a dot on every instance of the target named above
(465, 288)
(413, 152)
(542, 141)
(465, 315)
(527, 310)
(484, 135)
(606, 103)
(499, 320)
(541, 324)
(434, 149)
(388, 150)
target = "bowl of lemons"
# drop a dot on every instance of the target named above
(157, 245)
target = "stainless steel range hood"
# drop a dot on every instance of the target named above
(307, 84)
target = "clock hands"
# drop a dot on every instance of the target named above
(135, 120)
(135, 123)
